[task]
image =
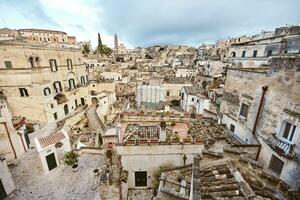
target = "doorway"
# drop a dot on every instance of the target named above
(51, 162)
(2, 191)
(82, 101)
(141, 179)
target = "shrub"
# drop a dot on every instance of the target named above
(71, 158)
(157, 173)
(175, 102)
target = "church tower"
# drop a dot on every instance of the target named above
(116, 42)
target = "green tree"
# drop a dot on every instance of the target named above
(104, 50)
(71, 158)
(86, 49)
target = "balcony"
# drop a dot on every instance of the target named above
(281, 147)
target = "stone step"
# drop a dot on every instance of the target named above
(213, 153)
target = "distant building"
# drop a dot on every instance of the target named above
(192, 101)
(46, 36)
(150, 94)
(116, 43)
(255, 51)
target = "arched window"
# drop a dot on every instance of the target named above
(47, 91)
(66, 109)
(69, 64)
(57, 86)
(31, 61)
(233, 54)
(71, 83)
(82, 79)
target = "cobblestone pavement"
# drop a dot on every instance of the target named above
(140, 194)
(59, 184)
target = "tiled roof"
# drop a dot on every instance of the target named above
(218, 181)
(192, 90)
(51, 139)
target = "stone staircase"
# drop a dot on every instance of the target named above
(94, 121)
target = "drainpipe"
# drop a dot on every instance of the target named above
(9, 138)
(20, 134)
(264, 90)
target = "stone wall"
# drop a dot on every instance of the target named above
(242, 86)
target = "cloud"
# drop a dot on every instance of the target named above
(145, 23)
(193, 21)
(30, 10)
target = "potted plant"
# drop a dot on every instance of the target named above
(71, 159)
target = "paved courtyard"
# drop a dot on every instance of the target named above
(60, 184)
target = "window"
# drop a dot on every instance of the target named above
(244, 110)
(232, 128)
(53, 65)
(57, 86)
(244, 54)
(182, 96)
(23, 92)
(71, 83)
(276, 165)
(8, 64)
(179, 93)
(233, 54)
(47, 91)
(254, 53)
(31, 61)
(269, 53)
(141, 179)
(82, 80)
(55, 116)
(193, 99)
(168, 93)
(66, 109)
(288, 131)
(69, 64)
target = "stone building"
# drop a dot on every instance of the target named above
(261, 106)
(193, 101)
(13, 142)
(51, 149)
(43, 84)
(150, 94)
(256, 50)
(46, 36)
(7, 185)
(174, 85)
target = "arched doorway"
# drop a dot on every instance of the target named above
(66, 109)
(192, 109)
(60, 151)
(94, 101)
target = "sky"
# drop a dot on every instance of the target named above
(151, 22)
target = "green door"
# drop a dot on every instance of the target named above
(2, 191)
(51, 162)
